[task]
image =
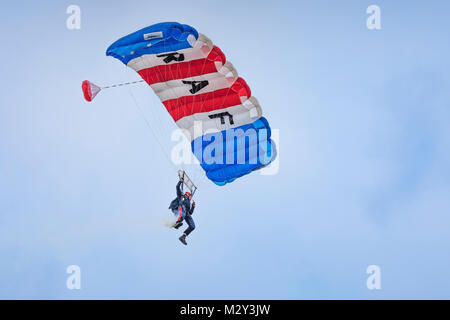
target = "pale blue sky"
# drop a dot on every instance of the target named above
(364, 156)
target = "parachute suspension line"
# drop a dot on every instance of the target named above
(149, 126)
(162, 122)
(122, 84)
(161, 125)
(191, 186)
(157, 127)
(195, 169)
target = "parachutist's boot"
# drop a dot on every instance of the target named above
(183, 239)
(178, 224)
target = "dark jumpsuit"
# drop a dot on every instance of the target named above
(185, 210)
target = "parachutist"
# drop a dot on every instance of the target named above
(181, 207)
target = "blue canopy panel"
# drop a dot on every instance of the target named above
(232, 153)
(157, 38)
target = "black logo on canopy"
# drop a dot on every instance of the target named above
(196, 85)
(173, 56)
(222, 116)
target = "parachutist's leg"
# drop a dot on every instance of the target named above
(191, 224)
(178, 224)
(179, 215)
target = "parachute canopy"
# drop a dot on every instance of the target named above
(204, 95)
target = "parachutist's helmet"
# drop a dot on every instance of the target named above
(188, 195)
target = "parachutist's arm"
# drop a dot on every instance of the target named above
(179, 193)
